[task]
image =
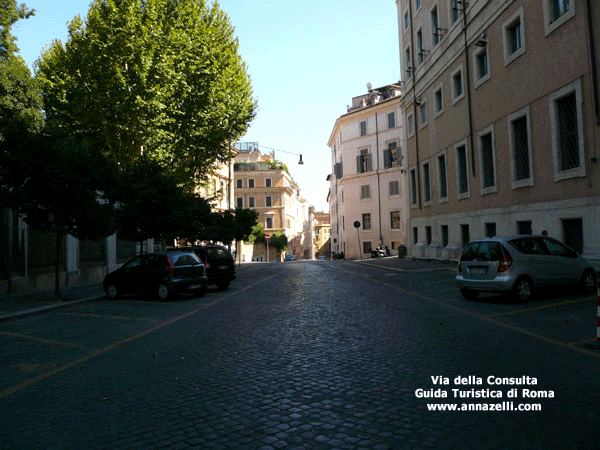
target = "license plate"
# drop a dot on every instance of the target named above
(223, 267)
(195, 286)
(478, 270)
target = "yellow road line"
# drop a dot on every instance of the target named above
(23, 384)
(486, 318)
(38, 339)
(538, 307)
(104, 316)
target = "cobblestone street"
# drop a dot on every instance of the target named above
(303, 355)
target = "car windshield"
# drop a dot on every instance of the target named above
(482, 251)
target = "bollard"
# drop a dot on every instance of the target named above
(596, 343)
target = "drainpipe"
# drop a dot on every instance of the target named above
(414, 77)
(468, 87)
(378, 178)
(594, 62)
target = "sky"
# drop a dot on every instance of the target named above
(306, 61)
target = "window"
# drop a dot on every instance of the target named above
(367, 247)
(409, 69)
(417, 4)
(442, 177)
(413, 187)
(457, 85)
(390, 155)
(520, 146)
(490, 230)
(268, 201)
(410, 120)
(364, 161)
(465, 234)
(395, 220)
(239, 184)
(240, 202)
(573, 233)
(514, 37)
(251, 182)
(428, 237)
(415, 235)
(423, 113)
(488, 161)
(268, 222)
(435, 26)
(421, 53)
(406, 21)
(524, 227)
(363, 128)
(394, 187)
(366, 219)
(365, 191)
(251, 203)
(481, 65)
(268, 182)
(462, 171)
(438, 101)
(391, 120)
(556, 13)
(454, 11)
(426, 183)
(567, 132)
(445, 238)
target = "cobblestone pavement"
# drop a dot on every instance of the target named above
(307, 355)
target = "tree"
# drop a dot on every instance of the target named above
(37, 170)
(148, 202)
(159, 78)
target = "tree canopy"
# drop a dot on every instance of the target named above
(159, 78)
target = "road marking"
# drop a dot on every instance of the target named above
(538, 307)
(23, 384)
(484, 317)
(104, 316)
(38, 339)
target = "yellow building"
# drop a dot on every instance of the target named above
(265, 185)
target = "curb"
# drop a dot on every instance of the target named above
(43, 309)
(365, 262)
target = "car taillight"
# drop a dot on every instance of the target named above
(206, 264)
(171, 268)
(505, 263)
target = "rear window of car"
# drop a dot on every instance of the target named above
(483, 251)
(217, 253)
(188, 259)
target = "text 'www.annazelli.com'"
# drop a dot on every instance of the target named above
(503, 406)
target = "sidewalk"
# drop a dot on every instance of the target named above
(409, 264)
(15, 306)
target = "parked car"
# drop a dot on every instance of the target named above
(519, 264)
(220, 267)
(160, 273)
(290, 257)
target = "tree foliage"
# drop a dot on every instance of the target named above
(161, 78)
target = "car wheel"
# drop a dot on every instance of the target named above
(469, 294)
(223, 285)
(163, 291)
(588, 281)
(523, 289)
(112, 292)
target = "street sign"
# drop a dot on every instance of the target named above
(267, 236)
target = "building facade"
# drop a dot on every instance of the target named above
(368, 179)
(322, 235)
(500, 101)
(266, 186)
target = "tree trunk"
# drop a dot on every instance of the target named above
(57, 266)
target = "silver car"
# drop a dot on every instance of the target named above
(518, 264)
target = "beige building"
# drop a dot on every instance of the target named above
(368, 179)
(500, 101)
(322, 235)
(217, 188)
(265, 185)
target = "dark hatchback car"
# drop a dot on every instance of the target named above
(160, 273)
(220, 267)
